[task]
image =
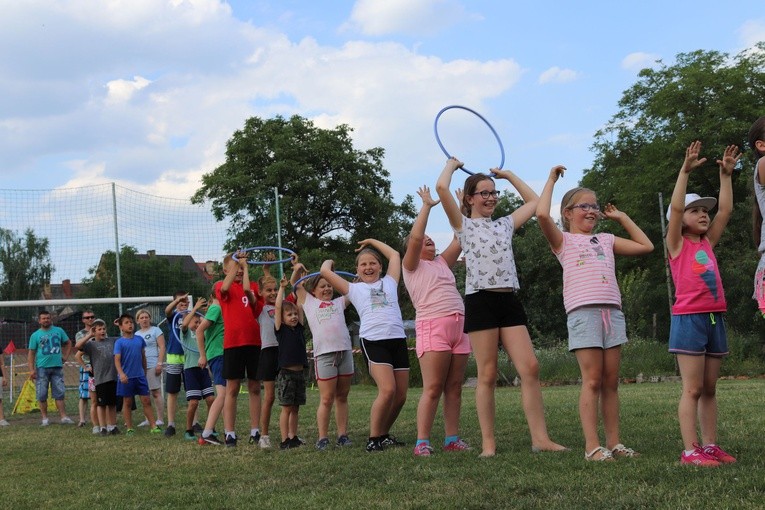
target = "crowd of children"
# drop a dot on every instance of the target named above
(256, 331)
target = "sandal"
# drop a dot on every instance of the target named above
(622, 451)
(605, 455)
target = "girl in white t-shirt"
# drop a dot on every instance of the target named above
(493, 312)
(383, 339)
(442, 345)
(332, 354)
(596, 328)
(155, 354)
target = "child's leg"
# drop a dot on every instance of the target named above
(193, 404)
(591, 367)
(341, 404)
(82, 408)
(284, 423)
(453, 394)
(609, 395)
(111, 415)
(172, 406)
(435, 367)
(401, 378)
(127, 413)
(94, 409)
(383, 403)
(293, 421)
(327, 394)
(269, 388)
(484, 344)
(229, 405)
(517, 344)
(253, 389)
(215, 409)
(148, 412)
(101, 416)
(708, 400)
(159, 403)
(692, 374)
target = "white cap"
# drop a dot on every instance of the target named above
(694, 200)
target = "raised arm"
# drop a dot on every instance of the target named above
(451, 208)
(452, 252)
(298, 270)
(527, 210)
(638, 243)
(187, 318)
(339, 283)
(550, 230)
(417, 235)
(725, 202)
(82, 341)
(677, 205)
(391, 254)
(169, 309)
(279, 302)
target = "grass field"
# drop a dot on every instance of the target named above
(62, 466)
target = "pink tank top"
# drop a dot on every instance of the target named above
(698, 287)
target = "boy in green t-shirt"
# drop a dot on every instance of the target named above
(210, 345)
(195, 379)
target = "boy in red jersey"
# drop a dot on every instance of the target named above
(241, 342)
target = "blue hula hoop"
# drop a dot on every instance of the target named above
(266, 262)
(311, 275)
(493, 131)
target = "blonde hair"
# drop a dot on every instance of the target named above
(142, 311)
(568, 200)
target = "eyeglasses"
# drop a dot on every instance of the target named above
(86, 317)
(487, 194)
(586, 207)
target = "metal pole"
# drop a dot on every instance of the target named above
(278, 228)
(117, 246)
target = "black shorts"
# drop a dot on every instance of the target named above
(106, 394)
(173, 377)
(487, 309)
(268, 365)
(241, 361)
(386, 352)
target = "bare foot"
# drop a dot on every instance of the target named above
(487, 454)
(549, 446)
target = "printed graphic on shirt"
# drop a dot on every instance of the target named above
(593, 252)
(703, 266)
(377, 297)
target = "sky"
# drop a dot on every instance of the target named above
(145, 93)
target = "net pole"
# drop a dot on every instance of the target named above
(116, 246)
(278, 228)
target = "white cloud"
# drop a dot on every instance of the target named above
(416, 17)
(752, 32)
(120, 91)
(557, 75)
(639, 60)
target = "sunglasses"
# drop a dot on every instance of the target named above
(86, 317)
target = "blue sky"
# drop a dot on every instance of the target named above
(145, 93)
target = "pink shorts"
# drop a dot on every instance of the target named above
(442, 334)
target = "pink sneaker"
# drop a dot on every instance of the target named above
(457, 446)
(698, 458)
(717, 453)
(423, 450)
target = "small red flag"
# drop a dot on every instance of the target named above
(10, 348)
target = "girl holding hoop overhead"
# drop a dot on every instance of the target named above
(333, 357)
(493, 313)
(596, 328)
(383, 339)
(442, 346)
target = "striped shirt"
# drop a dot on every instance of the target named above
(589, 271)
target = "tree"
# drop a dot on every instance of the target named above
(704, 95)
(330, 193)
(27, 266)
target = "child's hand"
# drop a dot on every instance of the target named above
(299, 269)
(453, 163)
(556, 172)
(460, 195)
(365, 243)
(295, 260)
(124, 378)
(283, 284)
(241, 258)
(692, 160)
(427, 200)
(612, 213)
(498, 172)
(200, 303)
(729, 160)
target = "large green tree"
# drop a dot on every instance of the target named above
(26, 267)
(705, 95)
(329, 192)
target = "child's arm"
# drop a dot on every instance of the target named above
(638, 243)
(338, 282)
(298, 270)
(169, 309)
(160, 354)
(392, 255)
(267, 267)
(527, 210)
(677, 206)
(187, 318)
(278, 304)
(200, 332)
(451, 208)
(118, 363)
(143, 359)
(414, 246)
(82, 341)
(725, 202)
(79, 360)
(550, 230)
(232, 268)
(452, 252)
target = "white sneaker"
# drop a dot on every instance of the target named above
(159, 423)
(264, 442)
(4, 423)
(45, 422)
(144, 423)
(96, 430)
(66, 420)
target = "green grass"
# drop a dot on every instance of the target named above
(66, 467)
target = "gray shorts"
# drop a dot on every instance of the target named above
(596, 326)
(332, 365)
(154, 380)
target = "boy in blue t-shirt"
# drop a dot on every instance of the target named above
(130, 360)
(174, 313)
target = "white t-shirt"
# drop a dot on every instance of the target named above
(327, 322)
(488, 250)
(150, 336)
(267, 332)
(377, 305)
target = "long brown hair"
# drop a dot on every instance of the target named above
(471, 183)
